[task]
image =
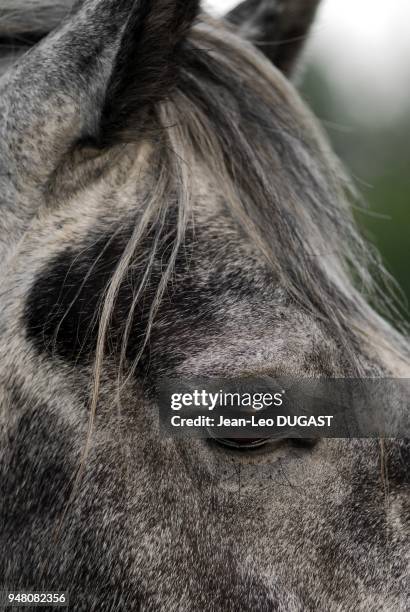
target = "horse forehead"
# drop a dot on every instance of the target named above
(70, 251)
(224, 304)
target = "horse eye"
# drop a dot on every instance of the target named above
(242, 443)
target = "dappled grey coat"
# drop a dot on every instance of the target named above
(170, 207)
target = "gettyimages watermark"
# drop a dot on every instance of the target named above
(285, 407)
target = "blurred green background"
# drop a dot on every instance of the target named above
(377, 155)
(357, 80)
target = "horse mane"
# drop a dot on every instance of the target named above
(240, 119)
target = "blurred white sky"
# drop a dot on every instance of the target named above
(364, 46)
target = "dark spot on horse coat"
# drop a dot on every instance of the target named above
(62, 309)
(42, 471)
(40, 464)
(64, 304)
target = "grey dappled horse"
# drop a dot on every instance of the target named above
(170, 207)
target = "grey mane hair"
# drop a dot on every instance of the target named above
(295, 243)
(231, 111)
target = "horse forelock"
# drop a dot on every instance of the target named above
(232, 110)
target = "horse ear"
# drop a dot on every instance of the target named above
(108, 61)
(278, 28)
(147, 63)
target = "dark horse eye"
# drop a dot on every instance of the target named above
(250, 443)
(242, 443)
